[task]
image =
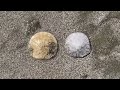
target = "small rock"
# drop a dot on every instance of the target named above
(77, 45)
(43, 45)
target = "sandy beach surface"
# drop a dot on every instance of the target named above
(101, 27)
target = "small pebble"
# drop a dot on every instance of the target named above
(77, 45)
(43, 45)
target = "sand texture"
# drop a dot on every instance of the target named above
(102, 29)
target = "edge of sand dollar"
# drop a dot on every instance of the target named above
(43, 45)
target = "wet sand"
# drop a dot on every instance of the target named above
(17, 27)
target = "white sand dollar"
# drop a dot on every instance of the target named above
(77, 45)
(43, 45)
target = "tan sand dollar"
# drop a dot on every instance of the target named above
(43, 45)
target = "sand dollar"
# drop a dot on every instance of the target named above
(77, 45)
(43, 45)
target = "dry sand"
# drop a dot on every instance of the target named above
(17, 27)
